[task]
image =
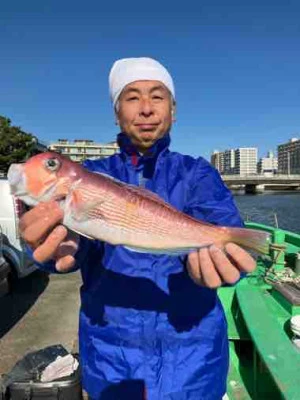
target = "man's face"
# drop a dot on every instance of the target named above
(145, 112)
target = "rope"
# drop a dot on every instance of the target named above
(283, 276)
(280, 248)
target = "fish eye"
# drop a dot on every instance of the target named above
(52, 163)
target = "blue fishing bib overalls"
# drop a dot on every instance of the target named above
(145, 327)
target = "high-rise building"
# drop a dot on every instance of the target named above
(241, 161)
(289, 157)
(268, 165)
(229, 161)
(245, 161)
(217, 160)
(81, 149)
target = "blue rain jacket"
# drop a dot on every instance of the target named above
(145, 327)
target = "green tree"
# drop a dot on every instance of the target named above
(15, 145)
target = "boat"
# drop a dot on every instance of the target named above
(263, 313)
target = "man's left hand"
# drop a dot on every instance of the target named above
(212, 267)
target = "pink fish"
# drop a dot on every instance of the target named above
(100, 207)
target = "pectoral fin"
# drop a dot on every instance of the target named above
(82, 210)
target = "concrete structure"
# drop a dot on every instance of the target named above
(254, 183)
(240, 161)
(245, 161)
(81, 149)
(268, 165)
(224, 161)
(229, 161)
(42, 311)
(289, 157)
(217, 160)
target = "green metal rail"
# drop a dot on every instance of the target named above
(272, 343)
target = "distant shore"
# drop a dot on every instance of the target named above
(267, 190)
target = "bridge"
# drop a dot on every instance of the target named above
(256, 183)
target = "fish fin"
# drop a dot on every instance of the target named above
(75, 184)
(79, 208)
(137, 190)
(63, 187)
(112, 178)
(253, 239)
(82, 234)
(147, 193)
(170, 252)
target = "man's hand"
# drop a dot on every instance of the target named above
(211, 267)
(42, 230)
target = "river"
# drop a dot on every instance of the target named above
(262, 208)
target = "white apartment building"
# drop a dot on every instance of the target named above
(245, 161)
(223, 161)
(217, 160)
(241, 161)
(81, 149)
(268, 165)
(229, 161)
(289, 157)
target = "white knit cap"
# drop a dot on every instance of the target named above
(128, 70)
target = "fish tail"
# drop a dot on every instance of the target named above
(253, 239)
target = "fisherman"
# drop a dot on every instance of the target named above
(151, 326)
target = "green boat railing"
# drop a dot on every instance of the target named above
(264, 362)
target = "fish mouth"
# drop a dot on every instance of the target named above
(17, 182)
(16, 179)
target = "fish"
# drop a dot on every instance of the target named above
(103, 208)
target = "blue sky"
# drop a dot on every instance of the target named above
(235, 64)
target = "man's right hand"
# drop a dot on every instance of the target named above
(42, 230)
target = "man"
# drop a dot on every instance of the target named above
(150, 326)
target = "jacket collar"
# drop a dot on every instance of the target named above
(128, 149)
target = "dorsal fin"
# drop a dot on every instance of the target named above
(140, 191)
(137, 190)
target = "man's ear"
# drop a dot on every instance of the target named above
(173, 112)
(116, 109)
(117, 122)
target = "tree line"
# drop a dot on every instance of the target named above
(15, 144)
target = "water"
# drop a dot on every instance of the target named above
(262, 207)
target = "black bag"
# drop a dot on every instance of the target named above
(23, 381)
(63, 389)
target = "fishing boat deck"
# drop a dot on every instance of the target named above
(264, 361)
